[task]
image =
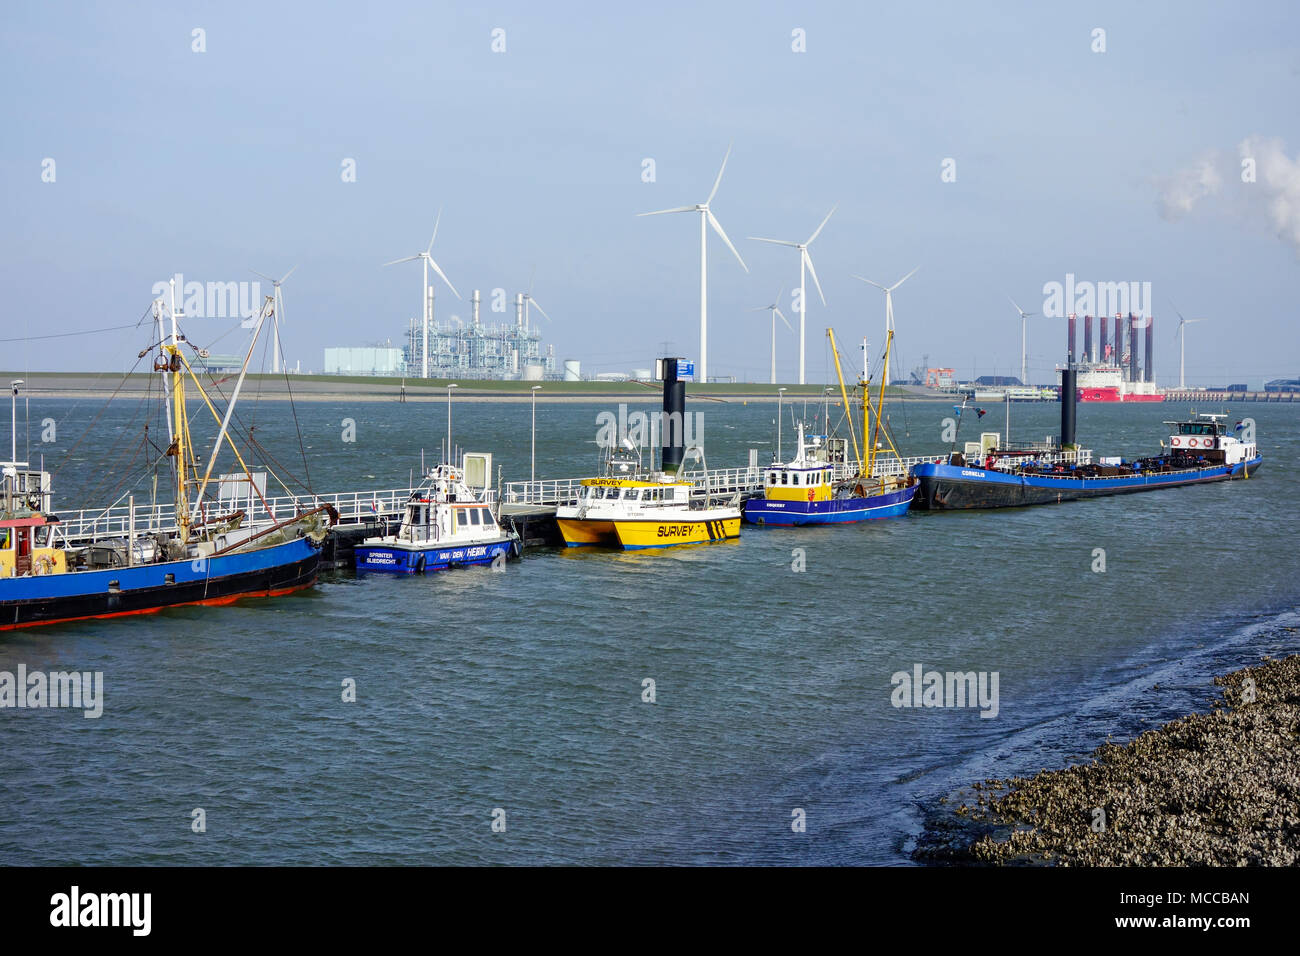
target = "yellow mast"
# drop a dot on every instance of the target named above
(839, 374)
(180, 426)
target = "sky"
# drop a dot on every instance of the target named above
(1114, 166)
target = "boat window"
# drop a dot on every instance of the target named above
(785, 478)
(771, 479)
(794, 479)
(5, 544)
(461, 520)
(474, 517)
(488, 522)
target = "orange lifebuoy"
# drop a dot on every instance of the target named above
(1176, 442)
(810, 494)
(1191, 442)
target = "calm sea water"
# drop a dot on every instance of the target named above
(523, 690)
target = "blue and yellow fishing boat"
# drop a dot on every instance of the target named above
(818, 487)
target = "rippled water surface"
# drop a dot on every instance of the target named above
(523, 690)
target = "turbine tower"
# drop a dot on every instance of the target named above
(706, 219)
(1181, 334)
(529, 300)
(1024, 353)
(428, 261)
(276, 315)
(889, 296)
(775, 310)
(805, 262)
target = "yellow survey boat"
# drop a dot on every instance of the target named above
(634, 513)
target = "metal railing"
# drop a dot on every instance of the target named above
(353, 507)
(716, 483)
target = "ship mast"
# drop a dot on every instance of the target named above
(839, 374)
(176, 419)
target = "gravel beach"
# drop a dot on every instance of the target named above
(1215, 789)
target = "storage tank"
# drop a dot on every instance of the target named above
(534, 373)
(572, 370)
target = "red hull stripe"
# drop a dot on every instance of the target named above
(210, 602)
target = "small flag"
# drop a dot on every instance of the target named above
(958, 408)
(980, 413)
(374, 505)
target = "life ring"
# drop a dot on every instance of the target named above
(1191, 442)
(810, 494)
(1176, 442)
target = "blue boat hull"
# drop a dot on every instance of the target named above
(144, 589)
(387, 559)
(835, 511)
(954, 487)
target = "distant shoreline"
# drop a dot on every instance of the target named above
(324, 388)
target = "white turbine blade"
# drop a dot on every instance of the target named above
(266, 277)
(443, 275)
(538, 306)
(869, 282)
(807, 260)
(286, 275)
(777, 242)
(904, 279)
(660, 212)
(718, 182)
(717, 227)
(822, 226)
(763, 308)
(407, 259)
(784, 319)
(429, 249)
(1017, 307)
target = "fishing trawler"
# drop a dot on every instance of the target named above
(446, 523)
(203, 558)
(812, 488)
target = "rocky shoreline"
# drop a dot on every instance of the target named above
(1214, 789)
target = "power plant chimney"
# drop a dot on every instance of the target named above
(475, 302)
(1087, 338)
(1070, 353)
(1150, 348)
(1132, 348)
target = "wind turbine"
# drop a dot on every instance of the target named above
(706, 219)
(1024, 359)
(889, 296)
(775, 310)
(805, 262)
(276, 315)
(529, 300)
(428, 261)
(1181, 333)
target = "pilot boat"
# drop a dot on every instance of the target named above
(446, 523)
